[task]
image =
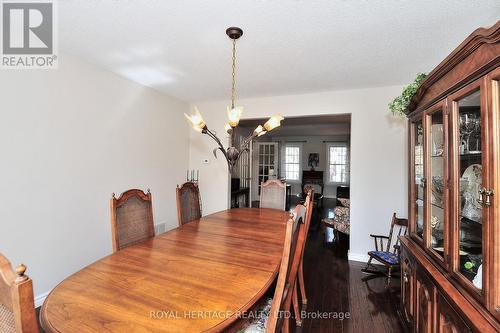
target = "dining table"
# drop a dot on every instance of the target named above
(199, 277)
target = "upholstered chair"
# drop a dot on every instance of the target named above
(309, 204)
(269, 312)
(273, 194)
(384, 253)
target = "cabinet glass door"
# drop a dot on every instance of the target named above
(470, 181)
(437, 220)
(417, 138)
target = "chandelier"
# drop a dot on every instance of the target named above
(232, 154)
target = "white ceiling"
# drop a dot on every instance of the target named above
(179, 47)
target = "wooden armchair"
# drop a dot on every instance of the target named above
(188, 203)
(273, 194)
(270, 318)
(131, 218)
(383, 254)
(17, 309)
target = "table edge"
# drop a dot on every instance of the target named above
(49, 328)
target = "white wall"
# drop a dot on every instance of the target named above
(68, 139)
(378, 154)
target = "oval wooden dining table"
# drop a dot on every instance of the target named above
(195, 278)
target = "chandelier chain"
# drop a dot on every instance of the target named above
(233, 90)
(240, 145)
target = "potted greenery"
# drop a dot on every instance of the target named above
(399, 105)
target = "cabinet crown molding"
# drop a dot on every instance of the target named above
(442, 77)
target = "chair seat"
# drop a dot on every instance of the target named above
(257, 319)
(386, 257)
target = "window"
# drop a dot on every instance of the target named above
(338, 161)
(292, 163)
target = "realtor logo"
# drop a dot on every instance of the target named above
(28, 38)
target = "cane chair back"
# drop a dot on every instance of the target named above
(188, 203)
(131, 218)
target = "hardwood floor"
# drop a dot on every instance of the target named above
(335, 286)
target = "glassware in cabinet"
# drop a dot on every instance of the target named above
(437, 151)
(470, 178)
(418, 180)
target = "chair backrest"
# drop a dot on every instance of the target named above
(17, 309)
(188, 203)
(317, 188)
(131, 218)
(273, 194)
(294, 238)
(403, 228)
(309, 204)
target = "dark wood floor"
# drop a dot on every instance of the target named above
(335, 287)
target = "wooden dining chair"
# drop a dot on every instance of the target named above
(188, 203)
(269, 318)
(17, 309)
(273, 194)
(309, 204)
(131, 218)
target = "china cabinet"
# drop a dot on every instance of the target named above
(450, 261)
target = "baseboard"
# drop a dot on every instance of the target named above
(357, 257)
(40, 299)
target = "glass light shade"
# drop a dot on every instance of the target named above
(259, 131)
(273, 122)
(234, 115)
(196, 120)
(227, 128)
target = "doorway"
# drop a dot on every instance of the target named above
(304, 151)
